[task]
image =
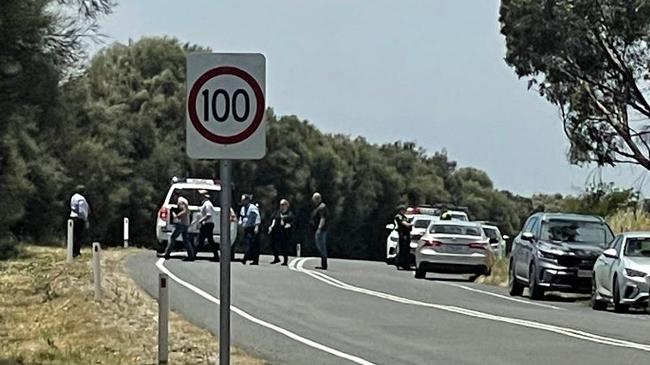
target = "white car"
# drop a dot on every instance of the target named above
(452, 246)
(189, 189)
(622, 273)
(420, 224)
(458, 215)
(497, 241)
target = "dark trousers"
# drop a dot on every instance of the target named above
(404, 254)
(79, 226)
(320, 238)
(280, 246)
(252, 244)
(205, 232)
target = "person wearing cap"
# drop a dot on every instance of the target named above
(280, 232)
(319, 222)
(249, 221)
(181, 220)
(206, 223)
(403, 227)
(446, 215)
(79, 212)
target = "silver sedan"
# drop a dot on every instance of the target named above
(622, 273)
(453, 247)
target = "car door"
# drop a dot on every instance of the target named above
(518, 248)
(615, 262)
(529, 246)
(603, 270)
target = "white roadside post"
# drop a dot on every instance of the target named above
(70, 240)
(163, 315)
(298, 249)
(97, 260)
(126, 232)
(225, 121)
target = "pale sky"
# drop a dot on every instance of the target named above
(425, 71)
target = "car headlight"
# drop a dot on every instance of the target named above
(546, 255)
(635, 273)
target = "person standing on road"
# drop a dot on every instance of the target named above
(206, 223)
(319, 221)
(181, 220)
(280, 232)
(250, 220)
(79, 212)
(403, 227)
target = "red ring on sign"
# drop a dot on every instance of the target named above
(194, 92)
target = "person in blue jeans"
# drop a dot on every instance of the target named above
(181, 219)
(319, 223)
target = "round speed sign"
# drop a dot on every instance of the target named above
(226, 105)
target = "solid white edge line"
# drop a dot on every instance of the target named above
(504, 297)
(243, 314)
(591, 337)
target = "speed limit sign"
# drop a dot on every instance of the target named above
(226, 106)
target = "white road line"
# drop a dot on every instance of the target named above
(476, 314)
(505, 297)
(280, 330)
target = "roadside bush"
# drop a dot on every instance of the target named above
(629, 220)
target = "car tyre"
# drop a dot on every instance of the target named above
(419, 273)
(514, 286)
(618, 306)
(390, 260)
(596, 304)
(536, 292)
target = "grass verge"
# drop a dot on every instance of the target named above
(48, 316)
(499, 275)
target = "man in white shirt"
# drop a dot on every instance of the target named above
(206, 223)
(79, 212)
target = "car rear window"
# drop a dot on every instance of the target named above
(460, 217)
(638, 247)
(193, 196)
(422, 223)
(491, 233)
(455, 229)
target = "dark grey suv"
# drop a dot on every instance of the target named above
(556, 251)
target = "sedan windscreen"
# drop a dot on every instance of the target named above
(456, 229)
(576, 232)
(638, 247)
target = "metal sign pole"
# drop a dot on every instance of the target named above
(224, 275)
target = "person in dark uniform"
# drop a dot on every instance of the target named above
(280, 232)
(403, 226)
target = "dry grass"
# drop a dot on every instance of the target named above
(629, 220)
(48, 316)
(499, 275)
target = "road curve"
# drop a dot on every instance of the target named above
(367, 313)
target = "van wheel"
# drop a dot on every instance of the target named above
(514, 286)
(536, 292)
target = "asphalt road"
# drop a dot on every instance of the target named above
(369, 313)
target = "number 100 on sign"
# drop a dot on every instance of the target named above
(225, 106)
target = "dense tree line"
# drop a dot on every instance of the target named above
(117, 126)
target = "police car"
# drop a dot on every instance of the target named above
(189, 189)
